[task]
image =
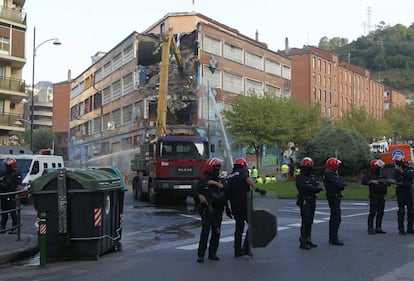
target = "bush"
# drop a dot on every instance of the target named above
(348, 146)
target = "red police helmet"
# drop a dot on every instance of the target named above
(11, 162)
(307, 162)
(332, 163)
(213, 162)
(240, 161)
(376, 163)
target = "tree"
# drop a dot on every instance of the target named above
(42, 138)
(348, 146)
(401, 122)
(270, 121)
(361, 121)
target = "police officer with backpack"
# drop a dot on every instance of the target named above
(334, 187)
(307, 187)
(377, 191)
(404, 175)
(240, 184)
(211, 196)
(9, 183)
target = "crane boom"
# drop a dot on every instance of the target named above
(168, 44)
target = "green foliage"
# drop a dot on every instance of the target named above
(348, 146)
(270, 121)
(360, 121)
(42, 138)
(401, 122)
(387, 52)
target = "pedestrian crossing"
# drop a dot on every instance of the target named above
(230, 238)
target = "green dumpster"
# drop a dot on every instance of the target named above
(83, 212)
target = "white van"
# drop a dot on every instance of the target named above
(30, 167)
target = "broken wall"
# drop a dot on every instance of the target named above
(182, 99)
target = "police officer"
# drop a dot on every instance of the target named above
(9, 183)
(403, 176)
(307, 187)
(377, 191)
(210, 208)
(333, 187)
(240, 184)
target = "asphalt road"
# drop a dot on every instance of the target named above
(161, 244)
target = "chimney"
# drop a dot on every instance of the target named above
(257, 35)
(69, 75)
(286, 44)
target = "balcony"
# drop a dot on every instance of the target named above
(8, 122)
(12, 15)
(13, 89)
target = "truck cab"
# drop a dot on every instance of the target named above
(172, 166)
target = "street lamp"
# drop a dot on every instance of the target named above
(55, 42)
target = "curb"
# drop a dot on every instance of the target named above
(28, 247)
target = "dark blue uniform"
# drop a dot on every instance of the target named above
(377, 193)
(10, 181)
(211, 215)
(307, 187)
(404, 180)
(333, 187)
(238, 191)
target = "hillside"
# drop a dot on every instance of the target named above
(388, 52)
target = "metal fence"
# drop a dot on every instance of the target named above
(15, 195)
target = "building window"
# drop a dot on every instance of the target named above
(273, 90)
(162, 28)
(232, 83)
(286, 72)
(254, 87)
(212, 80)
(4, 45)
(254, 61)
(126, 114)
(211, 45)
(273, 67)
(233, 53)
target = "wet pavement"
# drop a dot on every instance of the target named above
(14, 247)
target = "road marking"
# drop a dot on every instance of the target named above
(288, 226)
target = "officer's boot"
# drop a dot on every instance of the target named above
(309, 237)
(378, 228)
(304, 237)
(401, 222)
(371, 225)
(410, 219)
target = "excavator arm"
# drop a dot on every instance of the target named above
(168, 44)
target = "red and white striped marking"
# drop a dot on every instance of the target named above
(97, 214)
(42, 229)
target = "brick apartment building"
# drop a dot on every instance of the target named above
(113, 102)
(318, 77)
(61, 113)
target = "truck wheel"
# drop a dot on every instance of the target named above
(153, 196)
(139, 194)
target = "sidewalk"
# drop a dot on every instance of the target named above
(12, 249)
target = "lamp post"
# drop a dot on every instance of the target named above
(55, 42)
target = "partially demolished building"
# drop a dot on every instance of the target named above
(114, 101)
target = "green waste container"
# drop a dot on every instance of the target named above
(83, 212)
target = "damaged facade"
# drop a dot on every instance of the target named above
(114, 102)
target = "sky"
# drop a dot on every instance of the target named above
(87, 27)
